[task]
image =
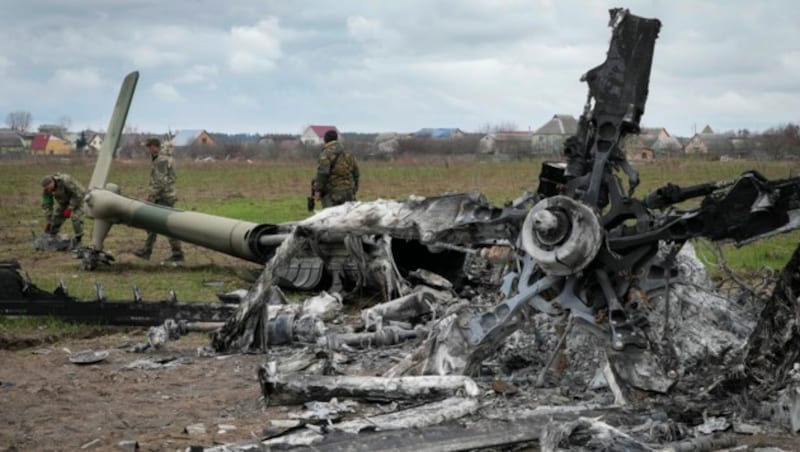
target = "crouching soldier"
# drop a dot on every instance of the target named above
(62, 198)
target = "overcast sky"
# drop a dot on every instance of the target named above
(264, 66)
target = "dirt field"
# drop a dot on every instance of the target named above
(49, 403)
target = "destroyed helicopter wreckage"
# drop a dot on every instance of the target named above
(585, 264)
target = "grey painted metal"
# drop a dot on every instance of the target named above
(497, 324)
(222, 234)
(114, 131)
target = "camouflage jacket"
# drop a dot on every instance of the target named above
(162, 178)
(67, 193)
(337, 171)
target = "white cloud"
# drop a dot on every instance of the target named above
(198, 73)
(149, 57)
(789, 61)
(167, 92)
(173, 46)
(460, 62)
(244, 101)
(362, 28)
(245, 62)
(86, 78)
(729, 101)
(5, 65)
(256, 48)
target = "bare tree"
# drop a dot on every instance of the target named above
(782, 141)
(506, 126)
(19, 120)
(485, 129)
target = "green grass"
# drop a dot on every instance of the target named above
(275, 210)
(16, 324)
(767, 254)
(274, 192)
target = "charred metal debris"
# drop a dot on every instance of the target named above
(19, 296)
(576, 316)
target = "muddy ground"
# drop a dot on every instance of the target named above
(49, 403)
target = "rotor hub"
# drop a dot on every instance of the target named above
(563, 235)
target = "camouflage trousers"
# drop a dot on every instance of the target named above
(174, 244)
(337, 197)
(58, 218)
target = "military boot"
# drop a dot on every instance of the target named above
(76, 243)
(143, 253)
(177, 252)
(177, 256)
(77, 247)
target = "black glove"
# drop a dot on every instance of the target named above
(47, 228)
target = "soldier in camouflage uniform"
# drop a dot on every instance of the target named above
(62, 198)
(162, 192)
(337, 174)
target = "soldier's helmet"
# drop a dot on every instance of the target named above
(47, 180)
(331, 135)
(152, 142)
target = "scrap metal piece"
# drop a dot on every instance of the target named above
(50, 242)
(290, 388)
(588, 433)
(432, 279)
(100, 292)
(383, 337)
(61, 289)
(418, 417)
(18, 297)
(409, 307)
(302, 273)
(88, 356)
(325, 306)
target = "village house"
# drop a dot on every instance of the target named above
(439, 133)
(46, 144)
(385, 143)
(508, 144)
(314, 135)
(11, 143)
(27, 138)
(651, 143)
(94, 139)
(750, 147)
(131, 145)
(53, 130)
(549, 139)
(192, 138)
(710, 144)
(281, 145)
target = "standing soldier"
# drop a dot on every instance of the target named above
(162, 192)
(62, 198)
(337, 174)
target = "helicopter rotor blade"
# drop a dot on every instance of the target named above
(114, 131)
